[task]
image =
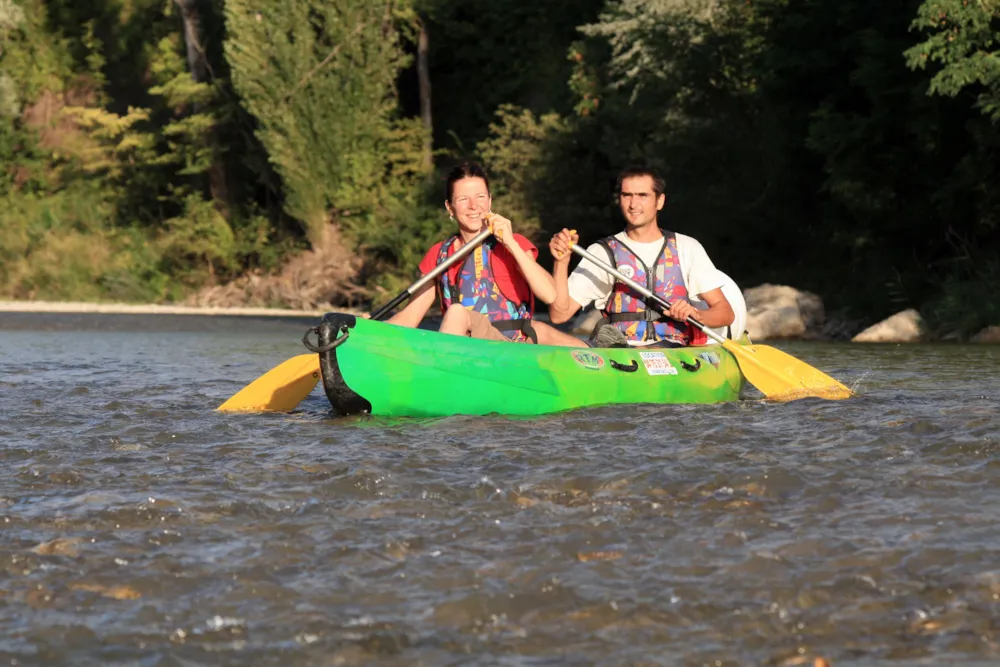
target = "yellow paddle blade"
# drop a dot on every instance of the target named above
(280, 389)
(782, 377)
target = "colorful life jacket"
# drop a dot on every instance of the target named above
(477, 288)
(626, 310)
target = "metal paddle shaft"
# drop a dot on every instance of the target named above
(385, 310)
(643, 291)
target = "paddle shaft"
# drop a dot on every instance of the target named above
(462, 252)
(644, 291)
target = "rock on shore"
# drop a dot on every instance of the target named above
(780, 311)
(903, 327)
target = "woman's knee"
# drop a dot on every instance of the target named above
(456, 311)
(455, 320)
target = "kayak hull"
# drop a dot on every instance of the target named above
(383, 369)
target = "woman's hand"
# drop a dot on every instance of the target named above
(562, 243)
(501, 228)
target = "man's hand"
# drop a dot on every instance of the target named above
(562, 243)
(681, 310)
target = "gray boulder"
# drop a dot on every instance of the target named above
(987, 335)
(780, 311)
(903, 327)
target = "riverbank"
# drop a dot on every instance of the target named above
(84, 308)
(78, 307)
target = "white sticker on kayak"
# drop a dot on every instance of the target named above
(656, 363)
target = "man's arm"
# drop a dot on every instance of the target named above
(704, 280)
(719, 312)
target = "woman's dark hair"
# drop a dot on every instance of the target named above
(659, 185)
(466, 170)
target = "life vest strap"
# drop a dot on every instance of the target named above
(523, 325)
(640, 316)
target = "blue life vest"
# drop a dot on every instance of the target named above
(476, 288)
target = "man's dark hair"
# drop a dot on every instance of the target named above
(465, 170)
(659, 185)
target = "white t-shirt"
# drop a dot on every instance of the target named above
(734, 295)
(590, 283)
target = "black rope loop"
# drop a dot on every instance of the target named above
(320, 349)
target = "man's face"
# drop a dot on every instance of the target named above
(638, 201)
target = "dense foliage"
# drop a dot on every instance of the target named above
(153, 149)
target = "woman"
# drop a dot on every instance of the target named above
(491, 295)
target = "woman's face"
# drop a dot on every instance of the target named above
(470, 202)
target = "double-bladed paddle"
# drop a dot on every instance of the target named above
(284, 386)
(779, 376)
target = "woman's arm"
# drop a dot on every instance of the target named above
(563, 307)
(541, 282)
(415, 310)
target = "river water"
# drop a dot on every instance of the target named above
(139, 527)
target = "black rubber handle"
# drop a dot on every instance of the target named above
(632, 368)
(691, 367)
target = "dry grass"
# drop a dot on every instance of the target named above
(57, 131)
(316, 279)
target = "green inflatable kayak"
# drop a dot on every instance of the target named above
(384, 369)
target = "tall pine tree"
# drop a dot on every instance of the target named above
(319, 77)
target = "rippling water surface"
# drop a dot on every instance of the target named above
(139, 527)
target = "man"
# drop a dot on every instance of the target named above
(673, 266)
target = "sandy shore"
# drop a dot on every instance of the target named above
(149, 309)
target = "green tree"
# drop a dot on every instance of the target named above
(679, 92)
(963, 39)
(961, 50)
(486, 53)
(318, 76)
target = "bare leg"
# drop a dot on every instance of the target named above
(549, 335)
(456, 321)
